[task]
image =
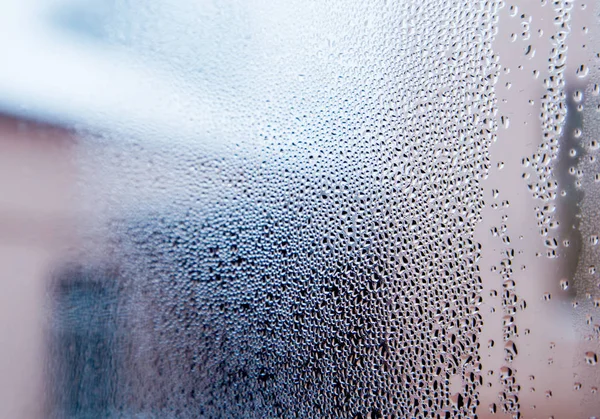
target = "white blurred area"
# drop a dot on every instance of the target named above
(57, 68)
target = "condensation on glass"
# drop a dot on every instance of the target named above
(345, 209)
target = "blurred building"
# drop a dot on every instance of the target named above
(61, 74)
(36, 219)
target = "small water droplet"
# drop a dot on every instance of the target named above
(564, 284)
(591, 358)
(505, 372)
(582, 71)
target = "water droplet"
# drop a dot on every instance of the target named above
(591, 358)
(582, 71)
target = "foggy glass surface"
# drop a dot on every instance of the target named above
(337, 209)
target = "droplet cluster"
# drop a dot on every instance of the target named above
(327, 267)
(553, 116)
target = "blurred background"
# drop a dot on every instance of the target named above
(172, 175)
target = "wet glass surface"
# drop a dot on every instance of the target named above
(358, 209)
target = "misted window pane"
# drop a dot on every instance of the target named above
(310, 209)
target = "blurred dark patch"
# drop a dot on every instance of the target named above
(83, 357)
